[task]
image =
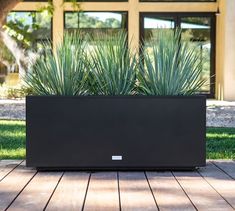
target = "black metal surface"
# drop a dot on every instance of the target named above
(85, 132)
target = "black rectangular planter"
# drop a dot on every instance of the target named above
(116, 132)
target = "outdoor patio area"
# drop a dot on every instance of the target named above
(210, 188)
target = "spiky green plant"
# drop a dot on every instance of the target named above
(172, 68)
(113, 66)
(62, 72)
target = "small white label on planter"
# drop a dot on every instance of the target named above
(116, 157)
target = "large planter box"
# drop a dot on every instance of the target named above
(116, 132)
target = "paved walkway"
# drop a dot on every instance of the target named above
(219, 113)
(209, 188)
(12, 109)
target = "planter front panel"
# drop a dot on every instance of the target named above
(116, 132)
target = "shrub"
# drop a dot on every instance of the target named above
(62, 72)
(108, 67)
(113, 67)
(172, 68)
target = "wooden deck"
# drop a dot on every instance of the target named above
(210, 188)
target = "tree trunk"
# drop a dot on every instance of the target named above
(5, 8)
(6, 64)
(22, 59)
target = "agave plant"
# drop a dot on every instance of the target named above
(172, 68)
(62, 72)
(113, 66)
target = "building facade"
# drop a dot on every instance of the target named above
(208, 23)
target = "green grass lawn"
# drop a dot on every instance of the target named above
(12, 139)
(220, 141)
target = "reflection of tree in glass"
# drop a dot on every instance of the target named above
(71, 20)
(200, 41)
(197, 20)
(96, 27)
(86, 21)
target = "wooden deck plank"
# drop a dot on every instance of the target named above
(168, 193)
(211, 188)
(70, 193)
(7, 166)
(227, 166)
(103, 193)
(11, 186)
(135, 193)
(203, 196)
(220, 181)
(37, 193)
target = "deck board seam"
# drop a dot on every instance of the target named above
(119, 192)
(151, 190)
(216, 190)
(21, 191)
(84, 200)
(212, 162)
(11, 170)
(53, 191)
(195, 207)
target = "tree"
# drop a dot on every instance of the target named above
(22, 57)
(19, 53)
(22, 53)
(6, 7)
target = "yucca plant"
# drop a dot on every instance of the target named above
(172, 68)
(113, 67)
(62, 72)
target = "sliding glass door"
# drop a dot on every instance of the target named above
(198, 28)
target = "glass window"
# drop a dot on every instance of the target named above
(98, 0)
(154, 24)
(198, 29)
(151, 27)
(96, 23)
